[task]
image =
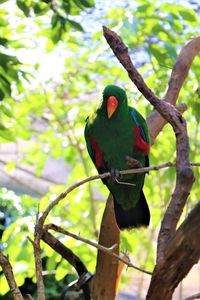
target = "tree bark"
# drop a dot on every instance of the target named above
(104, 282)
(181, 253)
(184, 174)
(8, 272)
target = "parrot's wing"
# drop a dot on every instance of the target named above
(141, 123)
(94, 150)
(142, 140)
(88, 143)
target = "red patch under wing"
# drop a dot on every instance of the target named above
(98, 160)
(139, 143)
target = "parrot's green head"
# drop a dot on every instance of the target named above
(114, 100)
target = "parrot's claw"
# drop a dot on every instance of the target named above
(115, 174)
(132, 162)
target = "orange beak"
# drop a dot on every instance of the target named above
(112, 104)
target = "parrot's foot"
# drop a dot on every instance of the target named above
(132, 162)
(115, 174)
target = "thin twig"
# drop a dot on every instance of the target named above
(30, 240)
(96, 245)
(75, 143)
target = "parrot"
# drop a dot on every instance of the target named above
(117, 139)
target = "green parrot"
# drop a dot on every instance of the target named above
(117, 139)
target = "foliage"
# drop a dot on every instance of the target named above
(154, 32)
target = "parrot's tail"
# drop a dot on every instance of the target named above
(137, 216)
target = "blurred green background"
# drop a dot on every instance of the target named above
(54, 64)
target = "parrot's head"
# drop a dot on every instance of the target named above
(114, 99)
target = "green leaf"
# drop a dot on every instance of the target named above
(143, 8)
(82, 4)
(75, 25)
(3, 41)
(54, 20)
(66, 6)
(56, 33)
(10, 166)
(7, 134)
(40, 8)
(157, 52)
(2, 127)
(171, 51)
(5, 84)
(87, 3)
(2, 95)
(188, 14)
(24, 7)
(6, 109)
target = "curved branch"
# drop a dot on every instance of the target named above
(181, 68)
(185, 176)
(102, 176)
(179, 74)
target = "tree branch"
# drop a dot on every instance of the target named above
(192, 297)
(40, 222)
(110, 250)
(8, 272)
(179, 73)
(107, 266)
(67, 254)
(38, 263)
(156, 122)
(181, 68)
(181, 253)
(102, 176)
(185, 176)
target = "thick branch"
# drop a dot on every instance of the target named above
(185, 176)
(104, 283)
(8, 272)
(67, 254)
(181, 253)
(179, 74)
(181, 68)
(156, 122)
(121, 52)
